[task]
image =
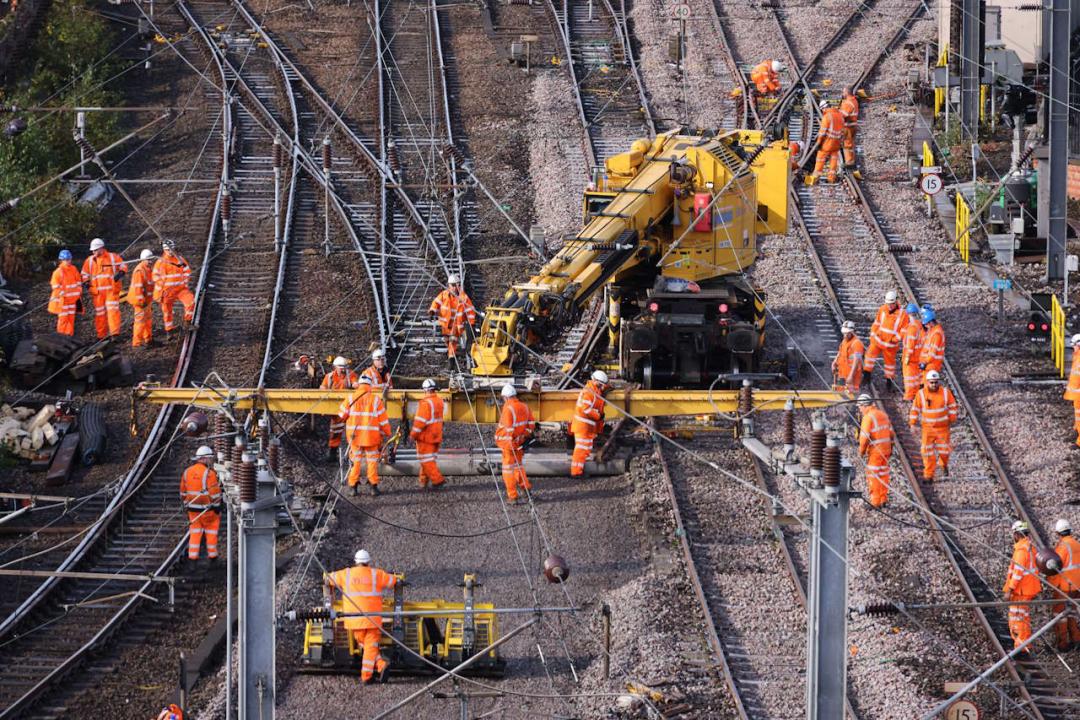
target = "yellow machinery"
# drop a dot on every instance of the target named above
(450, 634)
(669, 229)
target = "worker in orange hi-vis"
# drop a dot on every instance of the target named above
(1067, 582)
(172, 273)
(378, 374)
(366, 424)
(848, 363)
(849, 109)
(885, 338)
(935, 407)
(139, 295)
(830, 136)
(912, 339)
(875, 444)
(200, 492)
(588, 420)
(1072, 391)
(766, 77)
(1021, 583)
(172, 712)
(361, 587)
(932, 355)
(427, 433)
(516, 425)
(66, 295)
(453, 310)
(340, 378)
(101, 273)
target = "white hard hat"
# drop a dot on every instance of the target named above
(1075, 339)
(847, 327)
(890, 296)
(933, 375)
(204, 451)
(1020, 527)
(508, 390)
(777, 66)
(1062, 526)
(146, 254)
(452, 279)
(823, 104)
(864, 399)
(363, 380)
(340, 362)
(428, 384)
(600, 376)
(362, 557)
(378, 354)
(96, 244)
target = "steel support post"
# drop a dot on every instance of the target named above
(1058, 137)
(256, 578)
(826, 656)
(971, 54)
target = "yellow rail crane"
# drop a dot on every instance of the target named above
(670, 228)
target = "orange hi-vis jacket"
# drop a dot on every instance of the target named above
(1068, 579)
(848, 356)
(99, 272)
(365, 418)
(832, 129)
(1023, 576)
(454, 310)
(379, 380)
(516, 423)
(764, 77)
(66, 287)
(889, 326)
(141, 289)
(427, 426)
(875, 432)
(849, 109)
(339, 381)
(361, 590)
(936, 408)
(912, 337)
(1072, 391)
(933, 347)
(589, 412)
(199, 487)
(171, 275)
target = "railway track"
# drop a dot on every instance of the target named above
(143, 531)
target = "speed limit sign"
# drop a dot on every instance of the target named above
(931, 184)
(962, 710)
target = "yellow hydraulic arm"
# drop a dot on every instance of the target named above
(480, 405)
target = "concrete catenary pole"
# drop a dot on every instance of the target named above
(1058, 137)
(971, 55)
(258, 525)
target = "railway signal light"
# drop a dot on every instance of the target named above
(1038, 327)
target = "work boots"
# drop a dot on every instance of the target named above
(866, 376)
(331, 454)
(374, 489)
(890, 388)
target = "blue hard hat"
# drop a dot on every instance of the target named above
(912, 309)
(927, 315)
(65, 255)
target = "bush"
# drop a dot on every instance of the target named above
(65, 65)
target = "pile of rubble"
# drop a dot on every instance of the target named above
(24, 431)
(61, 360)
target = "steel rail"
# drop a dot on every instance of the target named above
(384, 218)
(563, 29)
(939, 532)
(451, 161)
(732, 64)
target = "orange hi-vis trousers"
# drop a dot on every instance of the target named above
(912, 380)
(849, 146)
(200, 523)
(877, 474)
(1076, 419)
(373, 661)
(1020, 620)
(583, 447)
(935, 449)
(1067, 631)
(107, 319)
(513, 472)
(886, 353)
(65, 320)
(829, 152)
(367, 457)
(428, 454)
(182, 296)
(142, 327)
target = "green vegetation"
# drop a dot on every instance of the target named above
(64, 66)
